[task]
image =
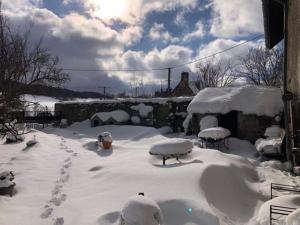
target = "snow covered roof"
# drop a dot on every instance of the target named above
(117, 115)
(247, 99)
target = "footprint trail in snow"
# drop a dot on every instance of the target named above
(57, 194)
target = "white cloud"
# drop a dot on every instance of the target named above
(159, 32)
(197, 33)
(236, 18)
(218, 45)
(128, 11)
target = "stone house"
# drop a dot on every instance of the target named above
(282, 22)
(245, 111)
(183, 87)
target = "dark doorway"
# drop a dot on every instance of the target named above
(96, 123)
(229, 121)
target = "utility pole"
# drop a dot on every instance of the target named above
(104, 90)
(169, 82)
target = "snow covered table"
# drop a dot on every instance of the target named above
(172, 148)
(214, 136)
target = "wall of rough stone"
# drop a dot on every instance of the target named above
(166, 112)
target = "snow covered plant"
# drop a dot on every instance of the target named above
(6, 179)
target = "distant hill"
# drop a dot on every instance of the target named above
(61, 92)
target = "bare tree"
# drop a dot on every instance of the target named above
(22, 65)
(214, 73)
(262, 66)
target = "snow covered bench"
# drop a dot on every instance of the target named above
(214, 137)
(173, 148)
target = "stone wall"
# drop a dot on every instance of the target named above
(166, 111)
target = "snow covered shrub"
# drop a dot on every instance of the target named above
(141, 210)
(6, 183)
(136, 120)
(12, 139)
(63, 123)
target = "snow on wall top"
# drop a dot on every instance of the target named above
(131, 100)
(248, 99)
(118, 115)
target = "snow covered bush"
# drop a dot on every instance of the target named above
(140, 210)
(6, 179)
(143, 109)
(105, 136)
(63, 123)
(10, 138)
(136, 120)
(6, 183)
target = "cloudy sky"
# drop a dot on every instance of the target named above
(135, 34)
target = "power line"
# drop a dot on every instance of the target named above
(217, 53)
(164, 68)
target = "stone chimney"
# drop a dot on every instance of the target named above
(185, 77)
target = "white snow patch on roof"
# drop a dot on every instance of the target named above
(118, 115)
(248, 99)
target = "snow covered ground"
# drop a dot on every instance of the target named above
(67, 179)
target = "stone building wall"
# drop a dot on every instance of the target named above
(166, 111)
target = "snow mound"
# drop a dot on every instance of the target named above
(208, 122)
(214, 133)
(143, 109)
(172, 146)
(294, 218)
(247, 99)
(118, 115)
(141, 210)
(228, 188)
(292, 201)
(187, 211)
